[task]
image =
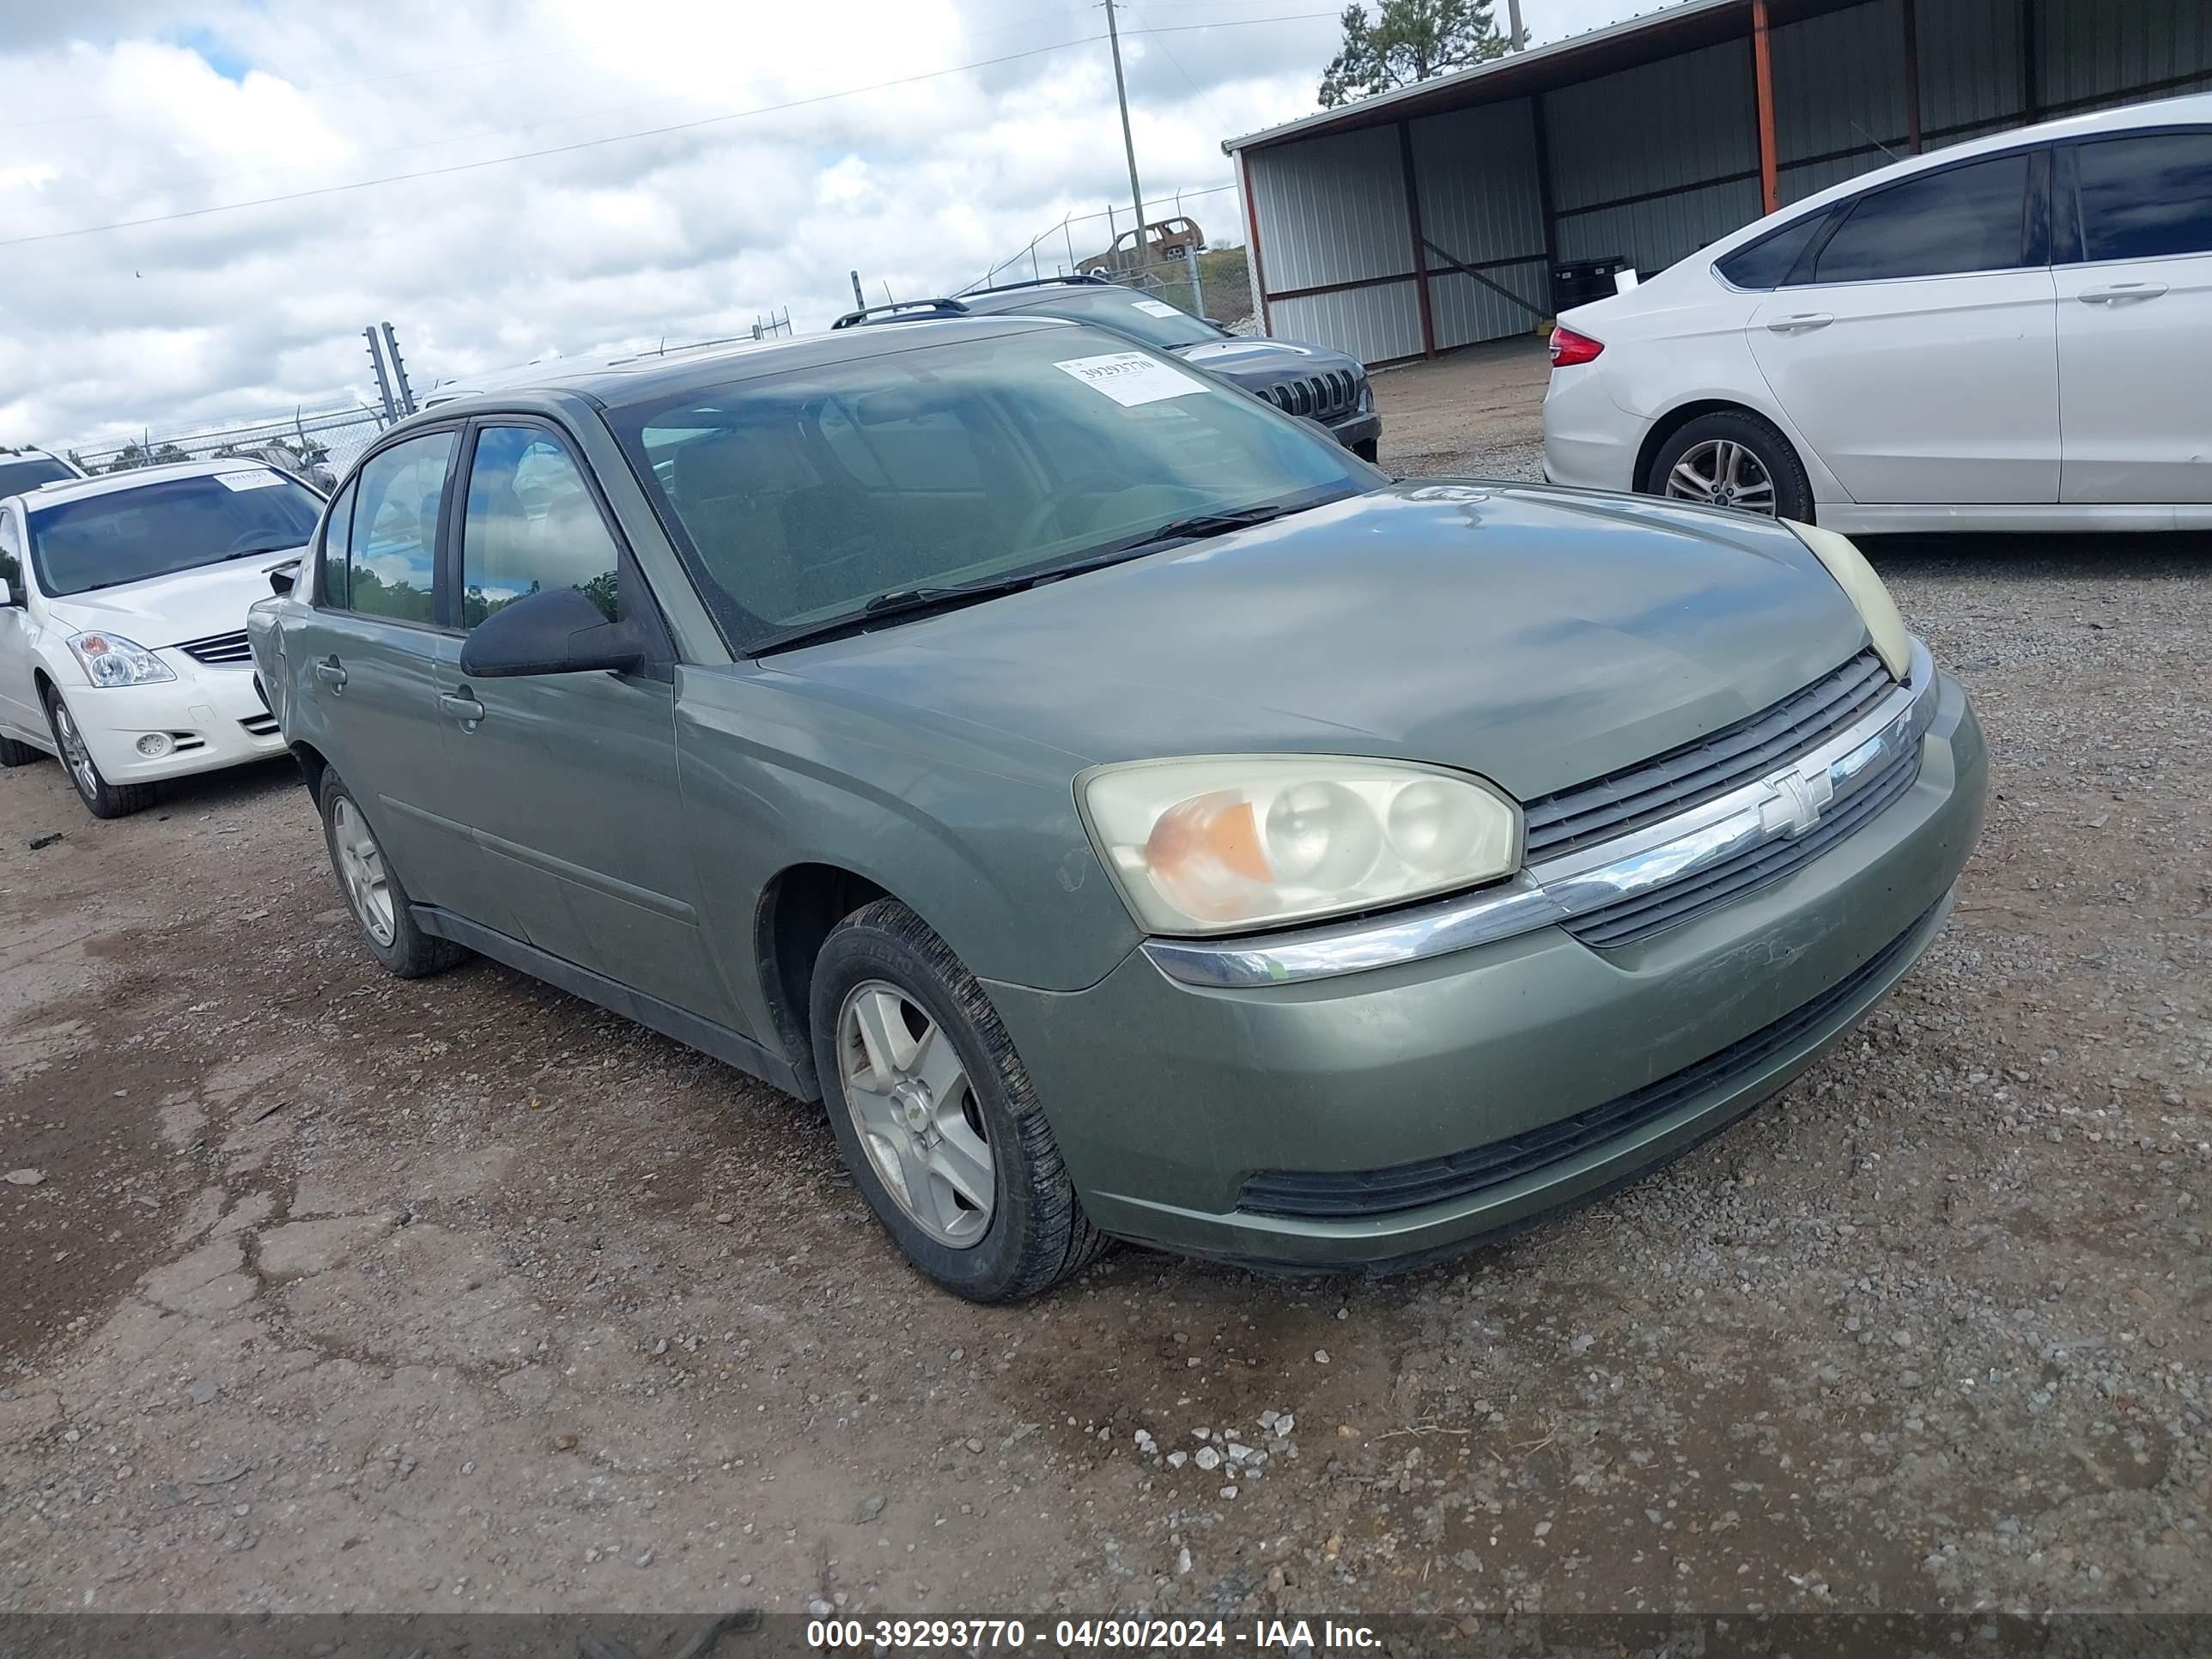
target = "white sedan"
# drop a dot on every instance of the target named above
(123, 604)
(2013, 334)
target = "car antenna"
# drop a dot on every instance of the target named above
(1876, 141)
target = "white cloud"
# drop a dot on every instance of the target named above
(120, 112)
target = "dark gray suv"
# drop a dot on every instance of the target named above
(1311, 380)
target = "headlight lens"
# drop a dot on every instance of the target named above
(1864, 589)
(111, 659)
(1218, 845)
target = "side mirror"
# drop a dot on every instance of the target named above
(283, 578)
(8, 595)
(558, 631)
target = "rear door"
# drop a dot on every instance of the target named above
(569, 781)
(370, 654)
(1916, 347)
(2135, 317)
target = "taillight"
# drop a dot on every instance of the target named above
(1569, 348)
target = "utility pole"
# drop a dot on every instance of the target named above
(860, 300)
(1128, 143)
(1519, 38)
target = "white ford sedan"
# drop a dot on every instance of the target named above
(2013, 334)
(123, 604)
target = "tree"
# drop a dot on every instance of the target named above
(1409, 40)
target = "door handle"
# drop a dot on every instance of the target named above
(1803, 322)
(2118, 291)
(331, 673)
(461, 706)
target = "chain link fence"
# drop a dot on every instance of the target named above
(1173, 258)
(322, 445)
(319, 445)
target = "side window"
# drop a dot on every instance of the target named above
(2146, 197)
(11, 556)
(1768, 262)
(391, 549)
(532, 526)
(1965, 219)
(330, 551)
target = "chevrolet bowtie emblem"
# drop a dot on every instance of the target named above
(1794, 803)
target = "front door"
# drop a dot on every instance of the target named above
(571, 779)
(2135, 318)
(372, 643)
(19, 699)
(1920, 360)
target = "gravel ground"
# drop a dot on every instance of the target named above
(333, 1291)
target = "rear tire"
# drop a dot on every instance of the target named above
(1033, 1233)
(101, 799)
(374, 898)
(1702, 450)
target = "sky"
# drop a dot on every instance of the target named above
(711, 162)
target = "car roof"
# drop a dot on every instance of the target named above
(116, 483)
(618, 382)
(2162, 113)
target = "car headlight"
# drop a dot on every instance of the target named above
(1229, 842)
(111, 659)
(1864, 589)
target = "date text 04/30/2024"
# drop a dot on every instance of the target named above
(895, 1635)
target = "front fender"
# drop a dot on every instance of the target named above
(976, 831)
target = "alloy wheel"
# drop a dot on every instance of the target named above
(74, 755)
(1722, 472)
(360, 866)
(916, 1114)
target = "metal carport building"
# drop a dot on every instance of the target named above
(1411, 222)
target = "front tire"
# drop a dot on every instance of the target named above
(935, 1115)
(101, 799)
(13, 752)
(373, 895)
(1736, 459)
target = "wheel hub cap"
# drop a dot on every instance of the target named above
(1721, 472)
(916, 1114)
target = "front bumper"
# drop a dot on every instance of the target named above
(212, 717)
(1366, 427)
(1167, 1097)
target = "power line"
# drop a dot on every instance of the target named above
(551, 149)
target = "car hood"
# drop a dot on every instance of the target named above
(1252, 364)
(1539, 637)
(187, 605)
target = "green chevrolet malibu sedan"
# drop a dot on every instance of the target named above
(1132, 816)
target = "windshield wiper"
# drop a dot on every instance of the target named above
(1201, 525)
(259, 547)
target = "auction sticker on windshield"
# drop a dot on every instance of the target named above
(248, 480)
(1157, 308)
(1130, 378)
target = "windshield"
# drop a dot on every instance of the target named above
(129, 535)
(798, 497)
(1155, 322)
(17, 476)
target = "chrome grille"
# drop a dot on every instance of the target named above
(220, 650)
(1708, 768)
(1639, 918)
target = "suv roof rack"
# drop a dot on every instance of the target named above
(1085, 278)
(929, 307)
